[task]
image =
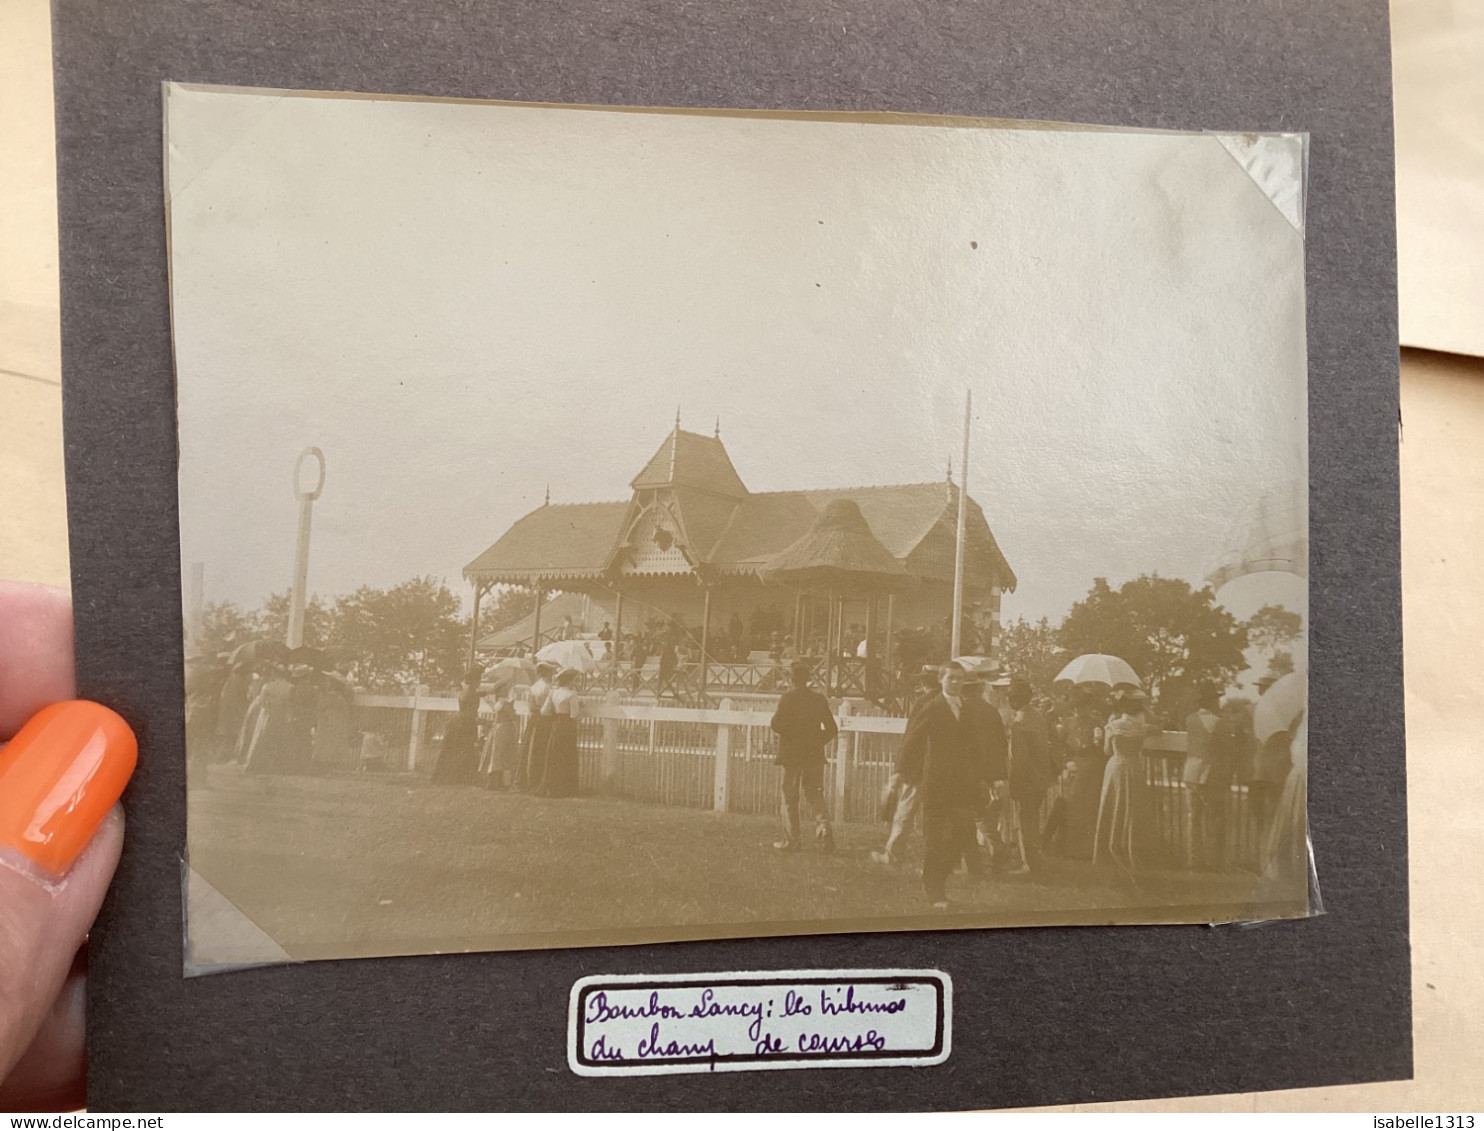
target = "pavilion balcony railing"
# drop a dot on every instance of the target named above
(846, 678)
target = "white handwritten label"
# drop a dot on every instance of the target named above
(640, 1024)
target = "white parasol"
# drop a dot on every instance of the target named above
(1280, 706)
(1098, 668)
(572, 654)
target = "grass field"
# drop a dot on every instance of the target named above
(361, 865)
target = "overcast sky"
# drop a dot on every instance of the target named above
(461, 304)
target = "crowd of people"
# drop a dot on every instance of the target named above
(273, 715)
(495, 753)
(995, 777)
(269, 716)
(999, 779)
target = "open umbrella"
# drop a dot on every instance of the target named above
(513, 671)
(569, 654)
(1098, 668)
(1280, 706)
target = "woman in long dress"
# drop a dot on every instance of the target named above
(1122, 819)
(332, 727)
(538, 726)
(203, 684)
(266, 747)
(1286, 848)
(458, 761)
(232, 713)
(560, 777)
(502, 756)
(1271, 762)
(303, 714)
(1087, 765)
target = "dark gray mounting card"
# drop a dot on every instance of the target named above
(1035, 1016)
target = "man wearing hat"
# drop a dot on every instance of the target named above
(949, 755)
(805, 726)
(900, 800)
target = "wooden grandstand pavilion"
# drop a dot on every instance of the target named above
(692, 546)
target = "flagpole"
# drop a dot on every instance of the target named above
(963, 521)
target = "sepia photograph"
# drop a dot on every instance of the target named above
(610, 525)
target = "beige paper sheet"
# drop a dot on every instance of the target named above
(1438, 75)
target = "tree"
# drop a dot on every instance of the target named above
(394, 639)
(1162, 627)
(272, 620)
(1272, 630)
(1032, 650)
(400, 637)
(511, 605)
(224, 627)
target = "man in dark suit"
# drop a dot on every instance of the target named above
(949, 755)
(805, 726)
(900, 799)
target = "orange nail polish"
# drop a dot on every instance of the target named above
(59, 777)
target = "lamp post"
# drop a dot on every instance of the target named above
(306, 497)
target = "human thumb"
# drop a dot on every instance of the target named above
(60, 834)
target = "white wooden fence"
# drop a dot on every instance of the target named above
(721, 758)
(710, 758)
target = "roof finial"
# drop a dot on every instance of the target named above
(950, 469)
(717, 433)
(677, 418)
(548, 495)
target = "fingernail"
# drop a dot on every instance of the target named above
(59, 777)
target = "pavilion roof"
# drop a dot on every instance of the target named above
(915, 522)
(729, 530)
(899, 515)
(558, 542)
(689, 459)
